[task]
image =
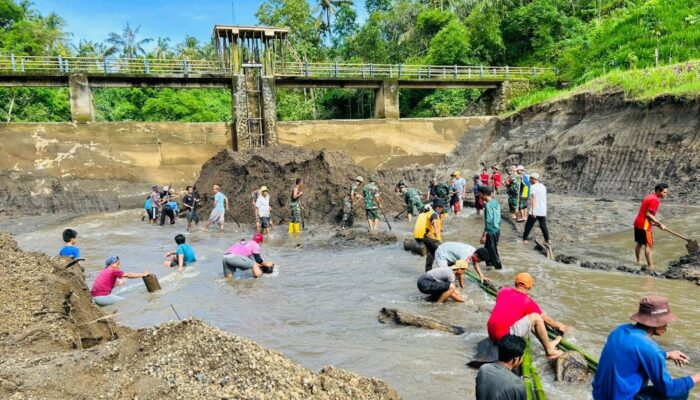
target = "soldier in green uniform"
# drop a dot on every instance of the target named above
(372, 204)
(512, 189)
(411, 197)
(349, 201)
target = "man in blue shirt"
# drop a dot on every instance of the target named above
(184, 255)
(631, 358)
(70, 250)
(220, 208)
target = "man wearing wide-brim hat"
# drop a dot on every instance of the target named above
(631, 359)
(441, 283)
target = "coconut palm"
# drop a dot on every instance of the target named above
(190, 48)
(162, 48)
(127, 42)
(56, 38)
(325, 8)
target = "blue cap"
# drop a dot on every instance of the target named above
(111, 260)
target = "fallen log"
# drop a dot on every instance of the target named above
(151, 283)
(399, 317)
(414, 247)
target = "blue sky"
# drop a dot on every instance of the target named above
(94, 19)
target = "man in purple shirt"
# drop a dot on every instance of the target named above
(631, 358)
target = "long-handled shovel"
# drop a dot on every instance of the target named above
(692, 245)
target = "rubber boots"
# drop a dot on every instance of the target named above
(294, 227)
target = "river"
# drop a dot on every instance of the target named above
(321, 306)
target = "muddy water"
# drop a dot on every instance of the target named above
(321, 306)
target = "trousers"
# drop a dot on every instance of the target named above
(531, 222)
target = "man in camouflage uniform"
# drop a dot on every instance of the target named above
(411, 197)
(513, 188)
(349, 201)
(372, 204)
(443, 191)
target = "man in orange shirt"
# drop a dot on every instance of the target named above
(646, 219)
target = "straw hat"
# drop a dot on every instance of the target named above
(263, 189)
(460, 264)
(359, 179)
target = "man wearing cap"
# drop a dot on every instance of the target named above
(646, 219)
(439, 283)
(492, 226)
(631, 358)
(262, 208)
(448, 253)
(372, 203)
(433, 233)
(411, 197)
(109, 277)
(349, 202)
(538, 208)
(459, 185)
(516, 313)
(524, 193)
(245, 255)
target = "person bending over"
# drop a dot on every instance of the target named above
(439, 282)
(496, 381)
(448, 253)
(245, 255)
(109, 277)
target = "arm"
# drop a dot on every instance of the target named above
(170, 253)
(257, 258)
(477, 268)
(652, 218)
(533, 203)
(226, 202)
(132, 275)
(654, 364)
(180, 262)
(461, 280)
(550, 322)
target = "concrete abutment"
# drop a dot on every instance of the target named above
(386, 100)
(81, 106)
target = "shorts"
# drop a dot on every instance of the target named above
(192, 216)
(265, 222)
(107, 300)
(232, 262)
(523, 203)
(521, 327)
(216, 216)
(643, 237)
(153, 214)
(372, 213)
(431, 286)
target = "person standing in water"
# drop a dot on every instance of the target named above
(433, 234)
(190, 202)
(295, 206)
(262, 205)
(496, 179)
(220, 207)
(349, 202)
(492, 227)
(538, 209)
(646, 219)
(155, 204)
(459, 186)
(372, 203)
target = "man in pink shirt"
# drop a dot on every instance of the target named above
(517, 314)
(109, 277)
(245, 255)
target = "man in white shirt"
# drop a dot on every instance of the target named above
(538, 208)
(262, 208)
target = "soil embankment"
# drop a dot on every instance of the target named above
(57, 345)
(328, 176)
(602, 145)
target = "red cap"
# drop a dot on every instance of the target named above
(258, 238)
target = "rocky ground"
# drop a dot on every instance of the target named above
(57, 345)
(328, 176)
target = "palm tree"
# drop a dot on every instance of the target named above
(190, 48)
(326, 8)
(28, 9)
(162, 48)
(127, 43)
(56, 38)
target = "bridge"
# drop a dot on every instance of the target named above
(252, 62)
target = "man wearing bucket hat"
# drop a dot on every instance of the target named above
(517, 314)
(631, 358)
(262, 208)
(349, 202)
(109, 277)
(538, 208)
(433, 232)
(439, 283)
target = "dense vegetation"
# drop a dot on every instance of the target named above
(584, 39)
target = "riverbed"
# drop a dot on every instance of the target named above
(320, 306)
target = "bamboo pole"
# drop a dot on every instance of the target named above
(527, 370)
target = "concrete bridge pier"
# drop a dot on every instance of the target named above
(81, 107)
(386, 100)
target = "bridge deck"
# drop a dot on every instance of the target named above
(18, 71)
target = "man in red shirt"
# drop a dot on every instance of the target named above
(496, 178)
(517, 314)
(646, 219)
(109, 277)
(484, 177)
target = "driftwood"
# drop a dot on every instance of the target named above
(151, 282)
(544, 248)
(404, 318)
(414, 247)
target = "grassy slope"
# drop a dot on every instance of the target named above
(678, 80)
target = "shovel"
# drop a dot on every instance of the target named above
(692, 245)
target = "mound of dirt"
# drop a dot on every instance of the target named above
(328, 176)
(687, 267)
(56, 344)
(354, 237)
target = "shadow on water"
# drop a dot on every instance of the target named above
(321, 307)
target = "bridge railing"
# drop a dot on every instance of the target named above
(129, 66)
(402, 71)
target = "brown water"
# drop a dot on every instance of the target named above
(321, 306)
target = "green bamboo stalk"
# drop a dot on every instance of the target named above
(537, 382)
(527, 371)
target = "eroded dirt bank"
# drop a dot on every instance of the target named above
(601, 144)
(327, 175)
(57, 345)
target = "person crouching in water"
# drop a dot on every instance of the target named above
(439, 282)
(182, 256)
(109, 277)
(245, 255)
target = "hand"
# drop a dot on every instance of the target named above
(662, 226)
(677, 357)
(483, 238)
(484, 279)
(146, 273)
(563, 328)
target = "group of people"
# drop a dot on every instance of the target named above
(162, 203)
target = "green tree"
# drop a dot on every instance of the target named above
(9, 13)
(127, 42)
(377, 5)
(485, 37)
(451, 46)
(297, 16)
(325, 9)
(162, 48)
(345, 24)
